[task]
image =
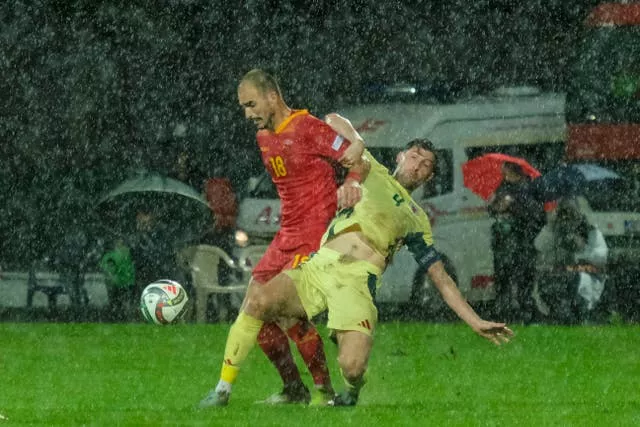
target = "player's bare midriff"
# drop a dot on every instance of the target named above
(355, 247)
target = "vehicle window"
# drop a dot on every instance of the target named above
(543, 156)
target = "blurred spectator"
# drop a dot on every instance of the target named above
(575, 254)
(519, 217)
(222, 201)
(117, 266)
(224, 207)
(185, 165)
(185, 170)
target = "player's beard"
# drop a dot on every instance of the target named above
(405, 179)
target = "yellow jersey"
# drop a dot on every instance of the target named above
(388, 217)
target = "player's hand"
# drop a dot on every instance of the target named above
(349, 194)
(497, 333)
(352, 154)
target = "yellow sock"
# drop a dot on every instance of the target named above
(242, 335)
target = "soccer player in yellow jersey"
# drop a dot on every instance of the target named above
(342, 276)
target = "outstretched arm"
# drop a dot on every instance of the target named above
(497, 333)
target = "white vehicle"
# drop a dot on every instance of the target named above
(520, 122)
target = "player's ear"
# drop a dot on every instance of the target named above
(272, 97)
(399, 157)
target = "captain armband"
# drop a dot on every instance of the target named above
(426, 256)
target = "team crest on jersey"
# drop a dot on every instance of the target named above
(288, 142)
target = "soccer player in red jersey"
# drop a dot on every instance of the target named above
(301, 153)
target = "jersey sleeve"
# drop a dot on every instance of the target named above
(420, 244)
(324, 141)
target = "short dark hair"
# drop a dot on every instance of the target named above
(517, 169)
(262, 80)
(423, 143)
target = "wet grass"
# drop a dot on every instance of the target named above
(420, 374)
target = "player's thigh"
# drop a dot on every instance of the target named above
(350, 299)
(271, 263)
(284, 253)
(278, 298)
(354, 349)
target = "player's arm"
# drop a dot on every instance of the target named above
(350, 192)
(429, 260)
(343, 126)
(494, 332)
(358, 165)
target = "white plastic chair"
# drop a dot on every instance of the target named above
(202, 262)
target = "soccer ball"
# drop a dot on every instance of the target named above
(163, 302)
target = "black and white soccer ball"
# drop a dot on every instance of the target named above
(163, 302)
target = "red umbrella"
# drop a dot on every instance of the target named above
(483, 174)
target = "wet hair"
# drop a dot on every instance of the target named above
(423, 143)
(263, 81)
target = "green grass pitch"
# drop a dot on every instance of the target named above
(420, 374)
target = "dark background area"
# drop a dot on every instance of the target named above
(94, 91)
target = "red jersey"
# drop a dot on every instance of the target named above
(301, 156)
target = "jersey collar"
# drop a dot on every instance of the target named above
(285, 122)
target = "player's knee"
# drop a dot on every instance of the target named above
(352, 365)
(258, 304)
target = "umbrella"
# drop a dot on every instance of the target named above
(174, 205)
(571, 180)
(595, 172)
(483, 174)
(154, 183)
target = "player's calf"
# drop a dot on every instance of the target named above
(354, 350)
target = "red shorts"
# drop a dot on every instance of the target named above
(286, 252)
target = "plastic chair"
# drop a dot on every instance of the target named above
(50, 286)
(202, 262)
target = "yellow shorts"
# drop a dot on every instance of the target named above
(344, 288)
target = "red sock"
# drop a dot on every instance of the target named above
(310, 346)
(275, 344)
